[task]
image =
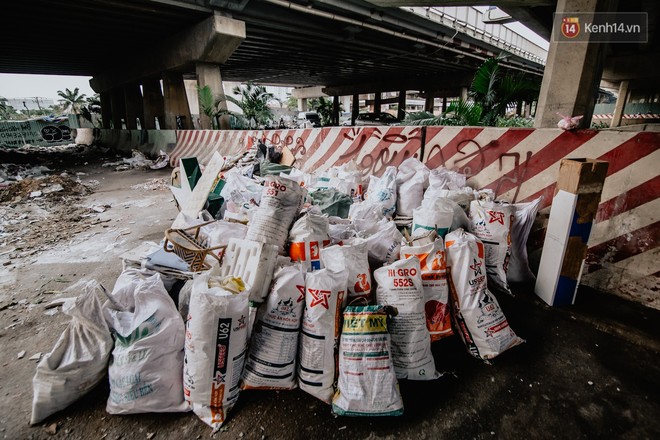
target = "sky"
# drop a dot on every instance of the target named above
(46, 86)
(42, 86)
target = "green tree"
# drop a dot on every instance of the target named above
(92, 107)
(72, 100)
(459, 112)
(494, 90)
(253, 101)
(324, 107)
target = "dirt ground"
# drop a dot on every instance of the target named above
(587, 371)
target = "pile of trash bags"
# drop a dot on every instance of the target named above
(336, 283)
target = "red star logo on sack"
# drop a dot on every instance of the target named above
(476, 267)
(496, 217)
(319, 297)
(241, 320)
(301, 298)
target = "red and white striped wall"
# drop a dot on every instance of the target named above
(518, 164)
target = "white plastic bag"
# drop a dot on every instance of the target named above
(340, 229)
(79, 359)
(216, 342)
(436, 214)
(434, 281)
(367, 384)
(382, 191)
(220, 232)
(354, 260)
(477, 314)
(400, 285)
(385, 242)
(241, 194)
(271, 361)
(308, 235)
(365, 215)
(281, 202)
(442, 178)
(491, 223)
(523, 220)
(324, 294)
(411, 179)
(348, 180)
(147, 360)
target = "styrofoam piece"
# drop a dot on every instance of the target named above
(253, 262)
(554, 248)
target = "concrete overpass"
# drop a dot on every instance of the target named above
(345, 46)
(350, 47)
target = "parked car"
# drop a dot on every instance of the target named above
(308, 119)
(376, 119)
(345, 118)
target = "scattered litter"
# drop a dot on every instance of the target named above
(590, 382)
(36, 194)
(150, 435)
(35, 357)
(51, 429)
(99, 208)
(20, 354)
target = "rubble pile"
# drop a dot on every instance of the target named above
(334, 282)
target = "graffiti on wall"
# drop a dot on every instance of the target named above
(15, 134)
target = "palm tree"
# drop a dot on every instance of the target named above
(92, 106)
(495, 90)
(253, 101)
(324, 109)
(71, 100)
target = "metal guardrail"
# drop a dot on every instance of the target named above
(469, 20)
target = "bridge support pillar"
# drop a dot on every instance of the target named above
(177, 111)
(377, 99)
(118, 105)
(154, 107)
(134, 106)
(620, 104)
(355, 109)
(208, 74)
(302, 104)
(401, 111)
(572, 73)
(428, 104)
(106, 109)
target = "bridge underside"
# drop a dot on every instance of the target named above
(286, 42)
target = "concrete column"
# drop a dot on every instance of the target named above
(335, 110)
(464, 93)
(134, 106)
(528, 109)
(620, 104)
(154, 106)
(377, 106)
(106, 109)
(176, 102)
(302, 104)
(572, 73)
(118, 108)
(355, 109)
(346, 102)
(428, 104)
(401, 112)
(444, 104)
(209, 75)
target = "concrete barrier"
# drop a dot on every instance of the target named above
(519, 164)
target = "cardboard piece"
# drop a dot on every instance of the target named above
(287, 157)
(573, 209)
(200, 194)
